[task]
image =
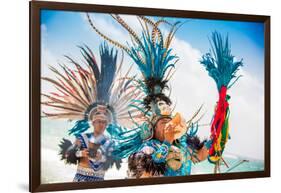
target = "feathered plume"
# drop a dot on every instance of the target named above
(220, 62)
(67, 153)
(80, 89)
(150, 51)
(222, 68)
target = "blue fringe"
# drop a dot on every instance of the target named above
(126, 141)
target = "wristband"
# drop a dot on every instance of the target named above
(208, 144)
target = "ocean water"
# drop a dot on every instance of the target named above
(53, 170)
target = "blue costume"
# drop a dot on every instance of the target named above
(150, 155)
(97, 170)
(160, 152)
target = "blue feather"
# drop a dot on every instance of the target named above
(153, 60)
(89, 57)
(104, 75)
(79, 127)
(107, 72)
(126, 141)
(219, 62)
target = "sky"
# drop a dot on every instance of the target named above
(63, 31)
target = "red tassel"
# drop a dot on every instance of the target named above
(219, 117)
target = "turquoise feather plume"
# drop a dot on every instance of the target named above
(220, 63)
(152, 58)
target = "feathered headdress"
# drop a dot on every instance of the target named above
(222, 67)
(152, 54)
(83, 94)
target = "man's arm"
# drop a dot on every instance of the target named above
(202, 154)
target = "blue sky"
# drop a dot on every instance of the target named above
(66, 29)
(63, 31)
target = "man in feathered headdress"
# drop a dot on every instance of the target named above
(162, 144)
(96, 98)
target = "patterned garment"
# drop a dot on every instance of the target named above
(96, 171)
(158, 150)
(175, 156)
(87, 175)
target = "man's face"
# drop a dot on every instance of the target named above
(160, 128)
(99, 126)
(164, 107)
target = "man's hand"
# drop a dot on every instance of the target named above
(169, 133)
(200, 155)
(98, 156)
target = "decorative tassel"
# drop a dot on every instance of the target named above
(222, 68)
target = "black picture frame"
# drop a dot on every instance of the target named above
(35, 72)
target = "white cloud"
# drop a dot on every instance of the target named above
(108, 26)
(48, 58)
(191, 86)
(247, 111)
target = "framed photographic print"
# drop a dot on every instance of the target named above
(123, 96)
